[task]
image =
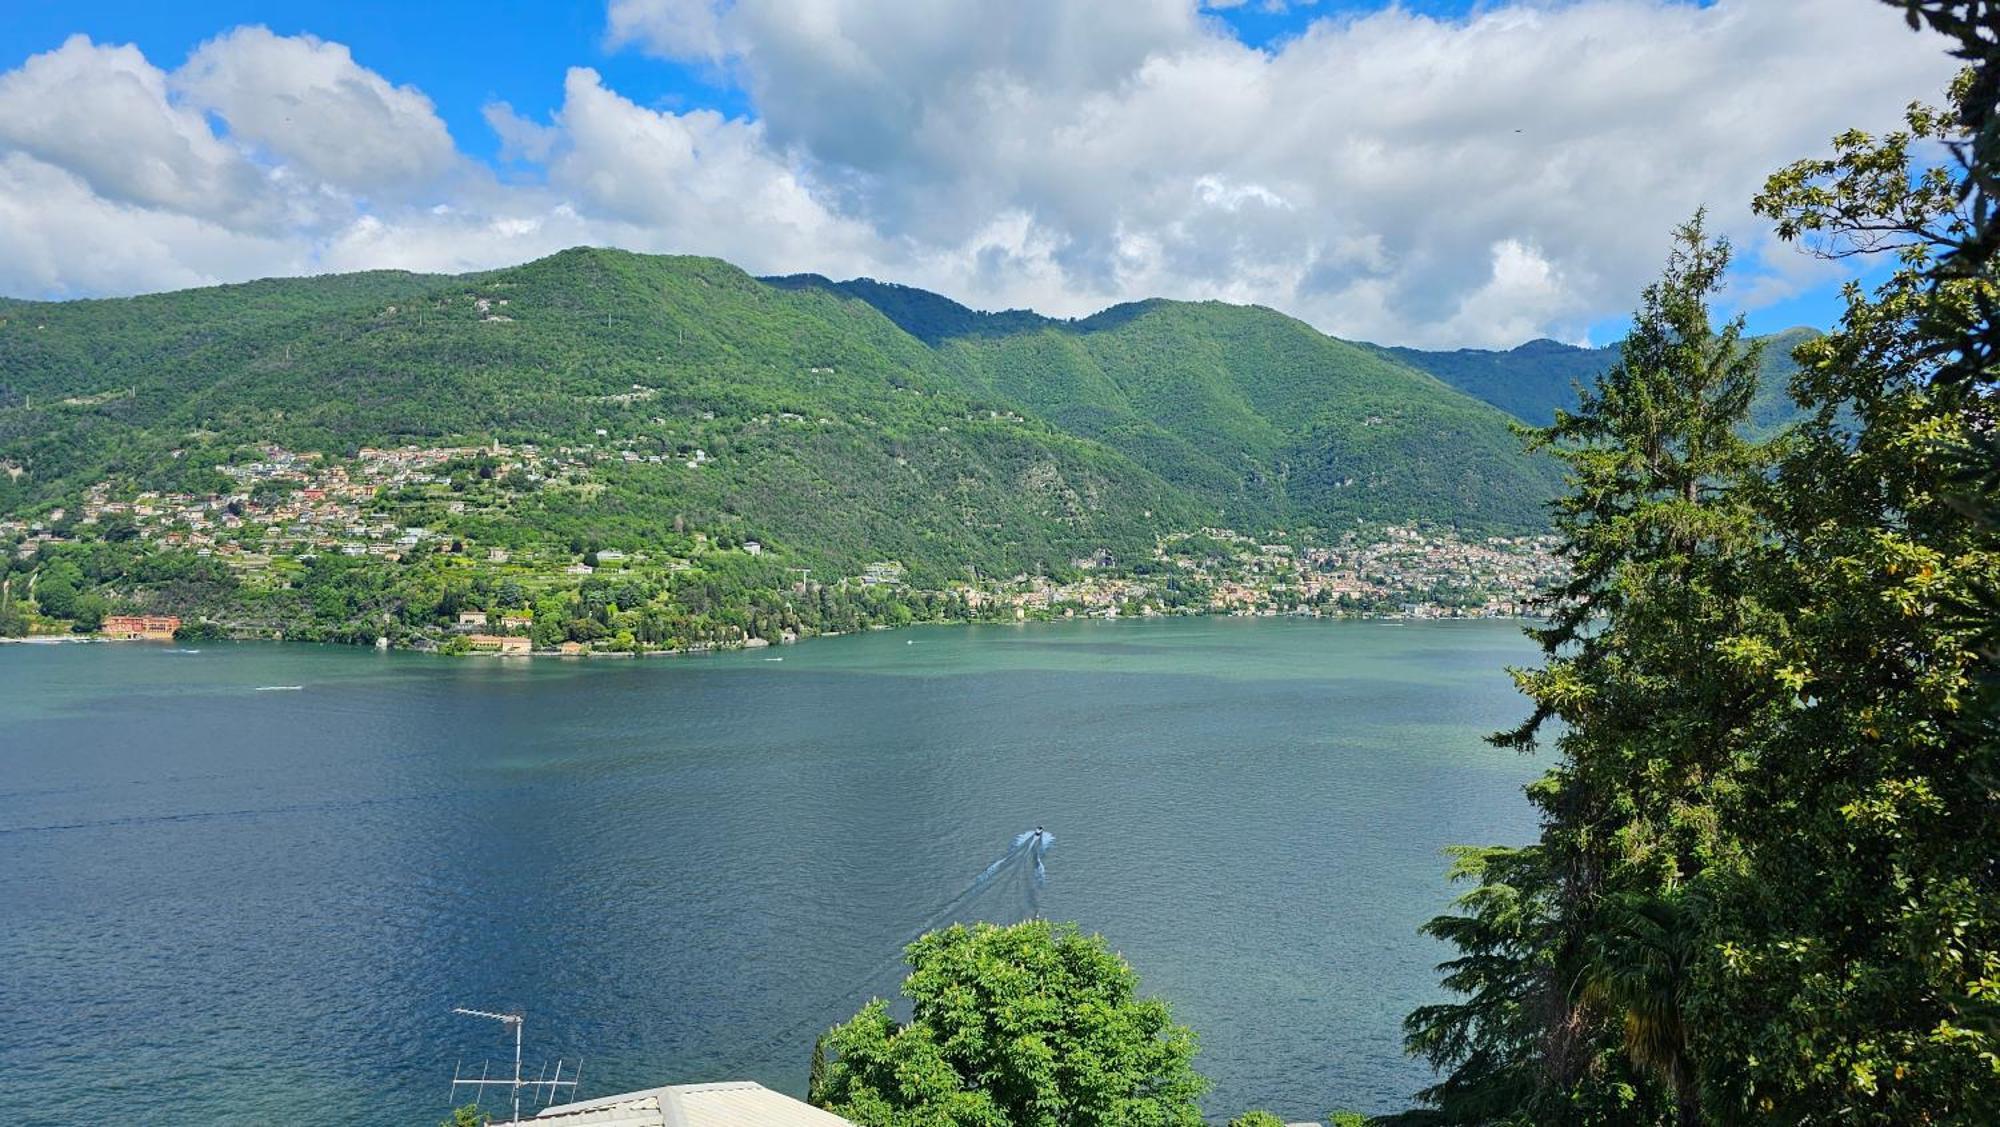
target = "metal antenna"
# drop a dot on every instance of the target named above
(517, 1021)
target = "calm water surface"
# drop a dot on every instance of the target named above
(225, 905)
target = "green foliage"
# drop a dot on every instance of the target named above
(1873, 983)
(1026, 441)
(1765, 886)
(1659, 540)
(1263, 418)
(467, 1116)
(1256, 1119)
(1033, 1025)
(838, 424)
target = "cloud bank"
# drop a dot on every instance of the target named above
(1391, 177)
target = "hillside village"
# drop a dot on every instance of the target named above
(282, 508)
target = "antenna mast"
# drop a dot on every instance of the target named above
(517, 1021)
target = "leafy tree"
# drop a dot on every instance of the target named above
(1256, 1119)
(56, 589)
(1034, 1025)
(1852, 967)
(468, 1115)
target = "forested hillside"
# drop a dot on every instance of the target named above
(933, 433)
(1531, 381)
(1258, 414)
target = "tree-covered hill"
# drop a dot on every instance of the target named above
(848, 422)
(1264, 418)
(1531, 381)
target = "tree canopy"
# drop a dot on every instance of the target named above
(1034, 1025)
(1766, 884)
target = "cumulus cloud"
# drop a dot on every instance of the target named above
(696, 182)
(102, 114)
(61, 237)
(1515, 170)
(308, 104)
(1389, 176)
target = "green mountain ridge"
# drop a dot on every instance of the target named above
(846, 421)
(1532, 380)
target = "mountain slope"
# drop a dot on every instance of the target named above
(841, 422)
(828, 428)
(1259, 414)
(1531, 381)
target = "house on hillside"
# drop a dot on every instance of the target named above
(472, 618)
(738, 1103)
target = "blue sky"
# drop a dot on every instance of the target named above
(1359, 167)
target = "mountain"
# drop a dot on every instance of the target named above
(1530, 382)
(1259, 414)
(848, 422)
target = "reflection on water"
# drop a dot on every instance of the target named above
(225, 904)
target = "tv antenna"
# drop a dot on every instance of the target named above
(518, 1082)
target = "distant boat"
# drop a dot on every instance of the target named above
(279, 688)
(774, 659)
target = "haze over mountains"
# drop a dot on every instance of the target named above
(850, 421)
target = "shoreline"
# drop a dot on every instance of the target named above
(433, 649)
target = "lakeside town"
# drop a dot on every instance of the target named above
(275, 512)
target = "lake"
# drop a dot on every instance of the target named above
(225, 900)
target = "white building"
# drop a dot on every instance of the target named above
(737, 1103)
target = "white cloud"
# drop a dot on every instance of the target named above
(1134, 135)
(102, 113)
(1392, 176)
(61, 238)
(678, 29)
(310, 105)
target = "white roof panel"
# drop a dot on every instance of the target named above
(737, 1103)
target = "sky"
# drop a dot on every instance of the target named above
(1437, 173)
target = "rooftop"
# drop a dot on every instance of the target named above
(736, 1103)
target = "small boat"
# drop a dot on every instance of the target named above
(279, 688)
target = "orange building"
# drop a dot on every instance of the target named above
(508, 645)
(153, 627)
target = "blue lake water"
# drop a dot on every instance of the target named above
(226, 905)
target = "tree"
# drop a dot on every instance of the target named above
(1852, 964)
(1659, 528)
(467, 1116)
(1034, 1025)
(1767, 863)
(56, 590)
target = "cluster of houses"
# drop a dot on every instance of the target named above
(30, 535)
(290, 503)
(1397, 570)
(477, 627)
